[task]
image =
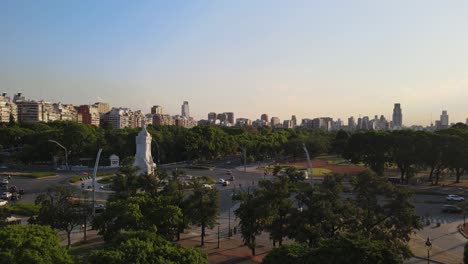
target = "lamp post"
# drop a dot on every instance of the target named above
(428, 247)
(64, 148)
(96, 165)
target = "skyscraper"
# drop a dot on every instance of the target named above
(397, 116)
(185, 109)
(444, 119)
(264, 117)
(156, 110)
(293, 121)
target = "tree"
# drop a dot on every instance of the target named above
(252, 214)
(141, 211)
(340, 142)
(383, 211)
(59, 210)
(372, 148)
(203, 206)
(349, 248)
(144, 247)
(274, 196)
(31, 244)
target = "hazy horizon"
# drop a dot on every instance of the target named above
(307, 58)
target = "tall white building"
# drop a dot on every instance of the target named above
(117, 117)
(8, 109)
(185, 109)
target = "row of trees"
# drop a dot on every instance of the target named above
(409, 151)
(372, 225)
(139, 223)
(170, 144)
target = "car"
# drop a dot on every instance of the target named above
(453, 197)
(6, 195)
(207, 186)
(228, 162)
(99, 208)
(229, 172)
(4, 181)
(232, 178)
(448, 208)
(2, 203)
(225, 183)
(221, 181)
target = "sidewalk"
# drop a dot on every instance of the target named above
(230, 251)
(418, 247)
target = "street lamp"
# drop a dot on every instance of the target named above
(428, 247)
(64, 148)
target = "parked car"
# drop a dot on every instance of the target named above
(6, 195)
(225, 183)
(229, 172)
(207, 186)
(2, 203)
(232, 178)
(448, 208)
(453, 197)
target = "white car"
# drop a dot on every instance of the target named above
(453, 197)
(2, 203)
(207, 186)
(221, 181)
(6, 195)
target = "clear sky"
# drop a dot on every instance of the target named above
(308, 58)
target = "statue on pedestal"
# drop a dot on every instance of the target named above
(143, 158)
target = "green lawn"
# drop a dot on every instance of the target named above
(32, 174)
(321, 171)
(23, 209)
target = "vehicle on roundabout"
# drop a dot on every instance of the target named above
(454, 197)
(448, 208)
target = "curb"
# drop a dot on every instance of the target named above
(462, 231)
(431, 261)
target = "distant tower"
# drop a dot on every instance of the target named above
(397, 116)
(264, 117)
(444, 119)
(185, 109)
(293, 121)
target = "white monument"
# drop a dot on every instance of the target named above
(143, 158)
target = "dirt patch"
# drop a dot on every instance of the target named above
(339, 169)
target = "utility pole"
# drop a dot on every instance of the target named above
(64, 148)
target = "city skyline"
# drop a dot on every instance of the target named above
(308, 59)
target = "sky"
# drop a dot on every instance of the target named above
(307, 58)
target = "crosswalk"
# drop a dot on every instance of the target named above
(440, 219)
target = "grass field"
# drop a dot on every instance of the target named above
(23, 209)
(31, 174)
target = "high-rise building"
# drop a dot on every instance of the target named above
(8, 109)
(264, 117)
(351, 123)
(275, 121)
(117, 117)
(89, 115)
(287, 124)
(163, 120)
(29, 111)
(222, 117)
(185, 109)
(156, 110)
(466, 122)
(293, 121)
(230, 117)
(102, 107)
(444, 119)
(212, 116)
(397, 116)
